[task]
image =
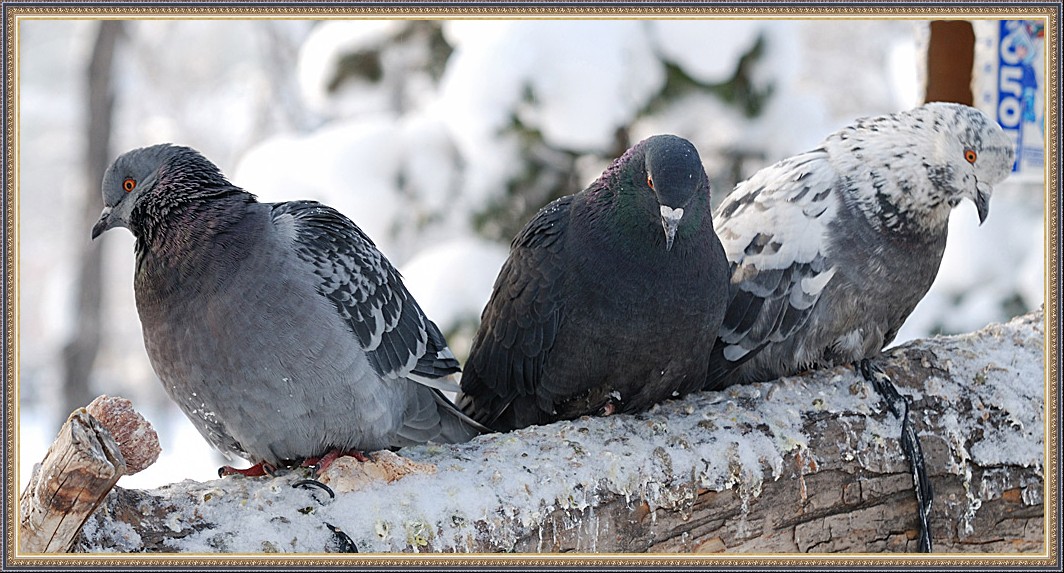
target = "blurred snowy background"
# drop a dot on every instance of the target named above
(440, 139)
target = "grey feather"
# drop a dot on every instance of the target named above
(280, 329)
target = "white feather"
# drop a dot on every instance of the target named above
(794, 203)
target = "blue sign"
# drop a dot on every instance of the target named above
(1019, 102)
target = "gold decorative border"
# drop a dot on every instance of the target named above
(13, 11)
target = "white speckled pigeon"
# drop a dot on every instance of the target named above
(608, 300)
(279, 329)
(833, 248)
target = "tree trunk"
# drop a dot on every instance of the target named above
(80, 352)
(96, 446)
(950, 57)
(805, 464)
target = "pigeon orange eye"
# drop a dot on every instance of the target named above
(650, 182)
(129, 185)
(970, 156)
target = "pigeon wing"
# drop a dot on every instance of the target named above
(520, 322)
(774, 228)
(369, 295)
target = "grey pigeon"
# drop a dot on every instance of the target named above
(278, 328)
(608, 299)
(833, 248)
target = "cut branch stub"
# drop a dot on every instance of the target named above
(80, 468)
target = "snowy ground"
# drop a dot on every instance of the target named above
(409, 155)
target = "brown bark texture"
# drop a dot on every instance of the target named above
(79, 469)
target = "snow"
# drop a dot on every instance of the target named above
(504, 486)
(394, 177)
(1000, 390)
(600, 74)
(452, 281)
(325, 47)
(349, 166)
(684, 42)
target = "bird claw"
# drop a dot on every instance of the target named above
(910, 445)
(313, 483)
(884, 386)
(258, 470)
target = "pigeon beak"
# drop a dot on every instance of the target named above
(982, 202)
(103, 224)
(670, 219)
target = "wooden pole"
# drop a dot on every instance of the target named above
(950, 57)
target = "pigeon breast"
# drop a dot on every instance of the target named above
(608, 300)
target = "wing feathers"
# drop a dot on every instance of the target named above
(520, 322)
(779, 255)
(367, 292)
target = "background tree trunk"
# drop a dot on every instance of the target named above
(80, 352)
(950, 57)
(805, 464)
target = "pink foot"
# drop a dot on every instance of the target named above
(258, 470)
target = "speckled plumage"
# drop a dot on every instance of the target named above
(608, 299)
(833, 248)
(279, 329)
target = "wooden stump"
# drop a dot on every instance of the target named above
(97, 445)
(80, 468)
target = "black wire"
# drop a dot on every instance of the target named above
(910, 446)
(346, 545)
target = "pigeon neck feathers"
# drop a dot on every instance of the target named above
(190, 203)
(906, 171)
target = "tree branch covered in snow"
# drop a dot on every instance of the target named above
(805, 464)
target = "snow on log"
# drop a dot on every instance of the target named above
(804, 464)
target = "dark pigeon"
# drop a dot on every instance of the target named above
(278, 328)
(608, 300)
(833, 248)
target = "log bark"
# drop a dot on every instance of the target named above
(806, 464)
(80, 468)
(96, 446)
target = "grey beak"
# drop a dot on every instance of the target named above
(103, 224)
(982, 204)
(670, 219)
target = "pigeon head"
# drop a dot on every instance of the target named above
(908, 170)
(162, 173)
(667, 179)
(973, 155)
